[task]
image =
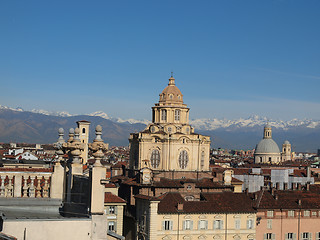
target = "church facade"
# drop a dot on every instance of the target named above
(169, 143)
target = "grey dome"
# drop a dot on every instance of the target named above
(267, 145)
(286, 142)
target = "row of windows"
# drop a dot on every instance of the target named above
(176, 115)
(183, 159)
(203, 224)
(291, 213)
(292, 236)
(163, 96)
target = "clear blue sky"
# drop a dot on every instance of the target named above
(230, 58)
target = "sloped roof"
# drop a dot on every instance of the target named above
(288, 200)
(225, 202)
(111, 198)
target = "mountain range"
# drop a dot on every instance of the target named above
(40, 126)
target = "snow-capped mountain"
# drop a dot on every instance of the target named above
(243, 133)
(100, 114)
(58, 114)
(18, 109)
(119, 120)
(253, 121)
(201, 123)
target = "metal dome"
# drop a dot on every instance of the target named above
(267, 145)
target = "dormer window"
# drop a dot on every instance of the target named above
(170, 96)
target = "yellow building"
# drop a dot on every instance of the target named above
(216, 216)
(169, 142)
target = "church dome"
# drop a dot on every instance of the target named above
(171, 93)
(267, 145)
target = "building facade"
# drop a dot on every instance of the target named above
(215, 216)
(169, 143)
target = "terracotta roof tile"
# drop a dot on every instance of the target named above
(211, 203)
(288, 200)
(110, 185)
(111, 198)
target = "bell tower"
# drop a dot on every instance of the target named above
(84, 127)
(267, 131)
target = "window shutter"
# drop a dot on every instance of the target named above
(294, 236)
(310, 236)
(248, 224)
(198, 225)
(191, 225)
(273, 236)
(206, 224)
(184, 225)
(115, 209)
(286, 236)
(115, 227)
(265, 236)
(221, 226)
(163, 225)
(170, 225)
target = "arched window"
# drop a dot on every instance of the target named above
(183, 159)
(155, 158)
(202, 160)
(163, 114)
(177, 114)
(83, 130)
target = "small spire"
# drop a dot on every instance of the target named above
(171, 80)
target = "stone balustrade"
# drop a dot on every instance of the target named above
(35, 184)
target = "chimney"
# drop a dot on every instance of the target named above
(272, 191)
(180, 206)
(308, 172)
(256, 196)
(294, 186)
(299, 202)
(308, 186)
(276, 197)
(299, 186)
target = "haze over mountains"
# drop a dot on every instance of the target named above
(40, 126)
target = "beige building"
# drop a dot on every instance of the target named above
(216, 216)
(169, 142)
(286, 154)
(84, 127)
(113, 209)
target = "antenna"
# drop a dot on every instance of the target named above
(171, 74)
